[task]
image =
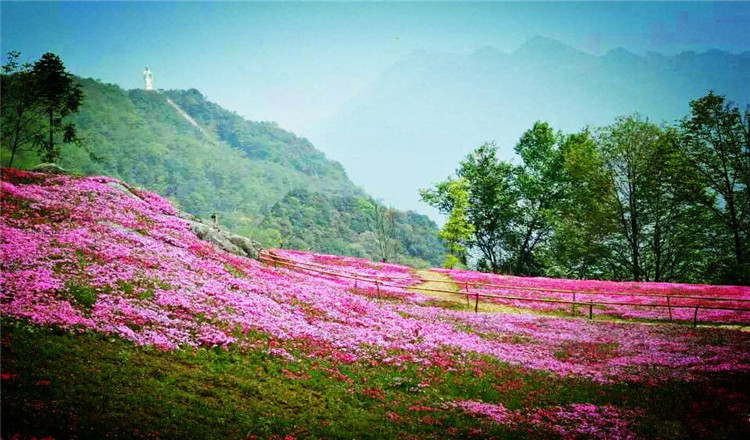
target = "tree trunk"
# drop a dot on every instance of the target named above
(657, 252)
(51, 137)
(634, 233)
(737, 240)
(523, 254)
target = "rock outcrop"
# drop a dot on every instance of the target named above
(50, 168)
(233, 243)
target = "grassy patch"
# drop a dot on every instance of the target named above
(85, 296)
(234, 271)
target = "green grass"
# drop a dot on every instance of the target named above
(88, 385)
(85, 296)
(234, 271)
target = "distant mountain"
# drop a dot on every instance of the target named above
(211, 160)
(427, 111)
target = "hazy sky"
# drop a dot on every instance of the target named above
(298, 63)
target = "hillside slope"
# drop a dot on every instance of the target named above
(242, 170)
(118, 322)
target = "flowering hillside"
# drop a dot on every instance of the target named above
(112, 306)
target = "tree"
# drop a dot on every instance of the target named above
(491, 204)
(626, 147)
(59, 95)
(385, 230)
(538, 183)
(676, 230)
(586, 215)
(21, 115)
(457, 231)
(716, 141)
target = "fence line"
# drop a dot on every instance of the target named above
(536, 289)
(292, 264)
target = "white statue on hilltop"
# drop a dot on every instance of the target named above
(149, 78)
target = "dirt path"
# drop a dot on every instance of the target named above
(436, 280)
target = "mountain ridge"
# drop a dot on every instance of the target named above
(444, 105)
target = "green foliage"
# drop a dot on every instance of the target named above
(633, 201)
(716, 144)
(627, 147)
(452, 197)
(347, 225)
(36, 100)
(585, 210)
(85, 296)
(493, 203)
(539, 185)
(22, 121)
(503, 211)
(263, 141)
(453, 262)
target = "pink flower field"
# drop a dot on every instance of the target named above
(81, 255)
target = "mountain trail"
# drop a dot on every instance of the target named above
(187, 117)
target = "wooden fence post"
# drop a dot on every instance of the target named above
(467, 294)
(669, 306)
(573, 306)
(695, 317)
(355, 283)
(476, 304)
(591, 309)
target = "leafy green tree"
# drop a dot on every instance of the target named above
(492, 204)
(538, 183)
(716, 141)
(506, 212)
(661, 233)
(22, 121)
(626, 147)
(586, 215)
(677, 227)
(59, 95)
(457, 231)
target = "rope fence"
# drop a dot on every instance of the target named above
(275, 260)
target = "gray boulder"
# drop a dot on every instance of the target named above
(227, 241)
(124, 189)
(50, 168)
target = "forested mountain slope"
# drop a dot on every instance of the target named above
(246, 172)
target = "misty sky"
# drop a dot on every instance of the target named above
(299, 63)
